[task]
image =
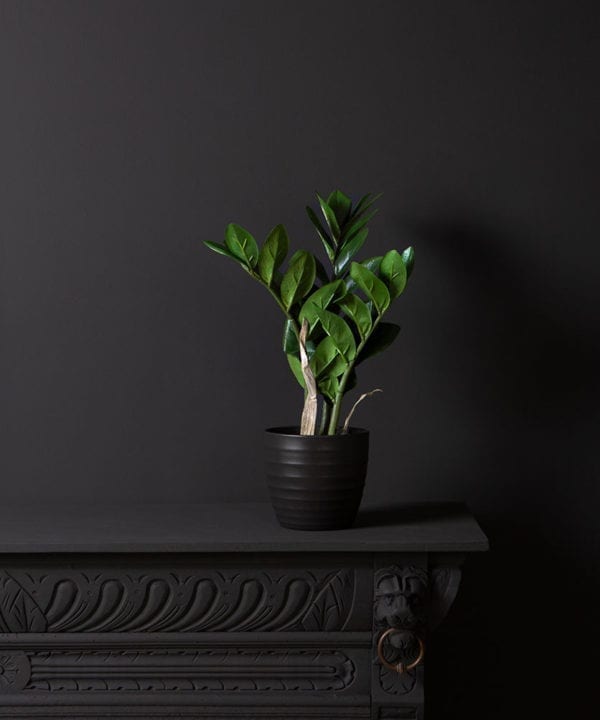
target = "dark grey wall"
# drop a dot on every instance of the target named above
(137, 366)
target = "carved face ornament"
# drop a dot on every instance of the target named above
(400, 595)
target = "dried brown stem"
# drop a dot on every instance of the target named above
(309, 412)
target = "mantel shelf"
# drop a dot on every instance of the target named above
(230, 527)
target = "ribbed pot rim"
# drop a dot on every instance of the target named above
(294, 431)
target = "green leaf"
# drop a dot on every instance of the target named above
(348, 251)
(356, 309)
(290, 339)
(272, 253)
(381, 338)
(321, 272)
(328, 243)
(295, 256)
(340, 332)
(341, 206)
(358, 225)
(372, 286)
(365, 203)
(319, 300)
(296, 368)
(299, 278)
(241, 244)
(331, 219)
(393, 271)
(408, 256)
(326, 359)
(222, 250)
(329, 386)
(373, 264)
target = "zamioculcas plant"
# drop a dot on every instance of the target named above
(334, 315)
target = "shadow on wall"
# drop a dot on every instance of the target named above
(531, 355)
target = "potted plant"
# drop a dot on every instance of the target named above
(333, 322)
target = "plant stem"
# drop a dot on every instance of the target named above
(337, 405)
(325, 409)
(339, 396)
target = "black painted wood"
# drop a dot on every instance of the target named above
(215, 611)
(234, 527)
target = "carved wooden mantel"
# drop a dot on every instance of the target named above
(214, 611)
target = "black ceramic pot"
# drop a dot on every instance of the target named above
(316, 482)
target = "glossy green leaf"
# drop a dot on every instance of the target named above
(339, 330)
(326, 359)
(393, 272)
(222, 250)
(276, 280)
(372, 286)
(381, 338)
(296, 368)
(329, 386)
(365, 203)
(373, 264)
(357, 225)
(321, 272)
(241, 243)
(322, 233)
(273, 253)
(331, 219)
(408, 256)
(319, 300)
(299, 278)
(290, 338)
(348, 251)
(358, 311)
(341, 206)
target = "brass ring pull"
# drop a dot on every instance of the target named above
(398, 667)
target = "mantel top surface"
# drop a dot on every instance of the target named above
(230, 527)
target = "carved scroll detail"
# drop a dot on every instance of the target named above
(240, 600)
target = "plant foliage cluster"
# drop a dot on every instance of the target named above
(342, 307)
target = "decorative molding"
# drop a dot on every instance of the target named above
(400, 601)
(395, 684)
(413, 601)
(190, 671)
(162, 601)
(168, 710)
(18, 610)
(401, 595)
(407, 712)
(14, 671)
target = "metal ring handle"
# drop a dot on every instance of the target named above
(399, 667)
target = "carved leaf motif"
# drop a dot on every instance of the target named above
(211, 601)
(333, 603)
(18, 610)
(395, 683)
(14, 671)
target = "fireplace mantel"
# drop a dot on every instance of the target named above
(214, 611)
